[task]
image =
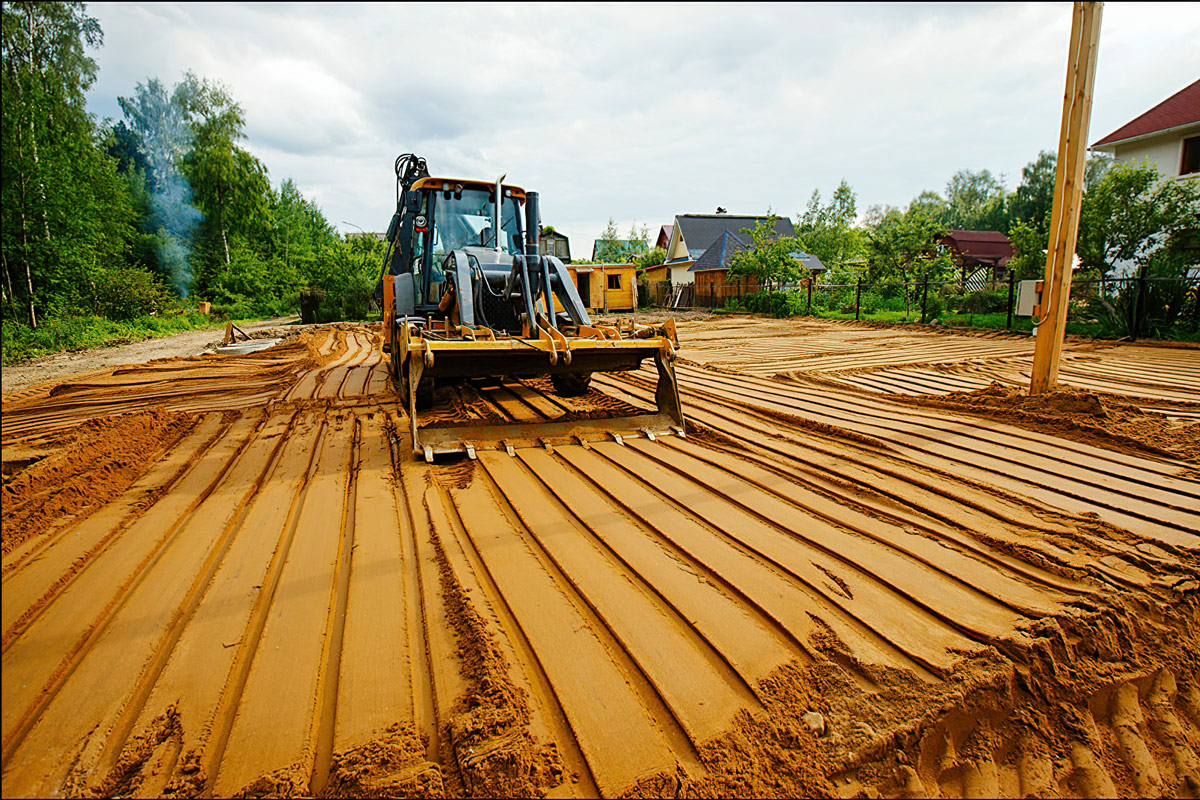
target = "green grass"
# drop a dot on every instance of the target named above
(58, 334)
(878, 316)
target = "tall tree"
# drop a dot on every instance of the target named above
(1032, 200)
(610, 248)
(904, 246)
(153, 142)
(65, 215)
(975, 201)
(769, 257)
(829, 231)
(230, 184)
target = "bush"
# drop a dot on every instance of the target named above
(981, 302)
(126, 292)
(870, 302)
(779, 304)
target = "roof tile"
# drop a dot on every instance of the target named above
(1181, 108)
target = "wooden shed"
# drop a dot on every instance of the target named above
(605, 287)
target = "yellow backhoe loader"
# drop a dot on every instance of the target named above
(466, 294)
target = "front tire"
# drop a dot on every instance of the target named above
(571, 384)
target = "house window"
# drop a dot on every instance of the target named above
(1190, 164)
(614, 281)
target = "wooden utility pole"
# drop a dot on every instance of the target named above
(1068, 192)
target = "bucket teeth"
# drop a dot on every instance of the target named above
(444, 353)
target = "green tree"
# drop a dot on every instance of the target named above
(769, 257)
(1031, 202)
(829, 231)
(903, 246)
(1032, 199)
(1029, 250)
(1131, 214)
(932, 206)
(230, 184)
(65, 216)
(975, 201)
(151, 145)
(652, 258)
(611, 249)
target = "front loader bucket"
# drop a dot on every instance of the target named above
(425, 357)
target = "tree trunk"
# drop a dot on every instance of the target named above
(29, 288)
(8, 290)
(25, 254)
(33, 137)
(225, 242)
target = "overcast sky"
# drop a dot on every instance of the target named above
(640, 112)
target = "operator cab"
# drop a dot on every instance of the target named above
(441, 215)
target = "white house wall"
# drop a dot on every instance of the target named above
(1163, 152)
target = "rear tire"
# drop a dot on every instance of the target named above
(570, 384)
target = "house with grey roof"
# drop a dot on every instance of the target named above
(693, 234)
(710, 272)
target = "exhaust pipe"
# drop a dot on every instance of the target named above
(533, 232)
(497, 215)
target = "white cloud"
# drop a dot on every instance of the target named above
(643, 111)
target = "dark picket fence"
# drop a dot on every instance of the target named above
(1138, 307)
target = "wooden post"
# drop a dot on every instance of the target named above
(1008, 324)
(604, 287)
(1068, 192)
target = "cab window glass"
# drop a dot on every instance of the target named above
(466, 221)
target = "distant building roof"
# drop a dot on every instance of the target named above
(720, 253)
(699, 231)
(980, 245)
(1181, 108)
(664, 236)
(809, 261)
(629, 247)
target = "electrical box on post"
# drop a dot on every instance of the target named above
(1029, 299)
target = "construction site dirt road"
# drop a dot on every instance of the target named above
(228, 576)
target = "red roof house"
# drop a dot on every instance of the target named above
(974, 251)
(1168, 135)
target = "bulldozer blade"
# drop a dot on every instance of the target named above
(459, 359)
(467, 439)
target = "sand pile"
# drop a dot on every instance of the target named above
(1103, 420)
(89, 466)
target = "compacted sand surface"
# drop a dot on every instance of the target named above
(228, 575)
